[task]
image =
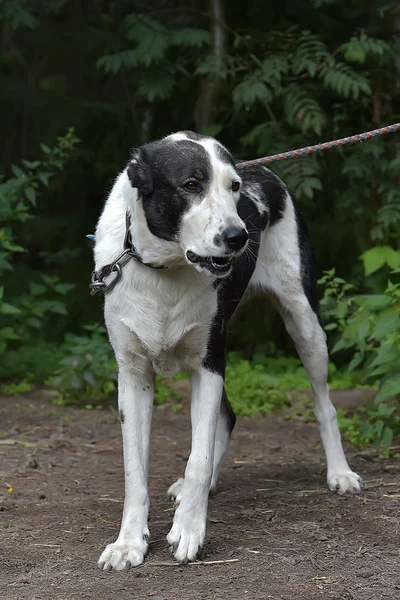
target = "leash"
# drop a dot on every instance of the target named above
(359, 137)
(97, 283)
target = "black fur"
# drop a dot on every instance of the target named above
(159, 170)
(232, 289)
(227, 412)
(308, 263)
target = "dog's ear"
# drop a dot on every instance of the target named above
(139, 173)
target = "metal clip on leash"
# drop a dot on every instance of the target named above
(97, 283)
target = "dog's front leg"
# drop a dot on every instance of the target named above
(189, 527)
(135, 401)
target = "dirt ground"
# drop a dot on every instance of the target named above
(277, 530)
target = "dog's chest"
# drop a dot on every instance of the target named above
(171, 322)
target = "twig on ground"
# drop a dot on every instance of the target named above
(110, 500)
(198, 562)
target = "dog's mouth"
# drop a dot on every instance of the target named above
(216, 265)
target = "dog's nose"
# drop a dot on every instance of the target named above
(235, 237)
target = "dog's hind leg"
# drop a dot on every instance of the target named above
(285, 269)
(303, 326)
(226, 423)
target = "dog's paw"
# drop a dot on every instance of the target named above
(174, 490)
(345, 482)
(186, 537)
(120, 556)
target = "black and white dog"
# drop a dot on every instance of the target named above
(203, 233)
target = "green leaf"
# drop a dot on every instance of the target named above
(355, 52)
(387, 437)
(191, 37)
(64, 288)
(385, 323)
(386, 411)
(250, 91)
(44, 177)
(34, 322)
(345, 81)
(9, 309)
(58, 308)
(36, 289)
(18, 172)
(379, 425)
(156, 83)
(8, 333)
(356, 361)
(372, 301)
(390, 387)
(31, 195)
(31, 164)
(375, 258)
(45, 148)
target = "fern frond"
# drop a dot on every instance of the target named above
(274, 67)
(344, 80)
(309, 53)
(267, 138)
(300, 175)
(157, 82)
(251, 90)
(190, 38)
(303, 110)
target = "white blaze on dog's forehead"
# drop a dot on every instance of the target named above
(223, 172)
(177, 137)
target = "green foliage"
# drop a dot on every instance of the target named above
(16, 389)
(87, 374)
(375, 258)
(150, 57)
(368, 326)
(18, 195)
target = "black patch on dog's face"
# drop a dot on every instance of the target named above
(159, 170)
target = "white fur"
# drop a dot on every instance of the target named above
(159, 323)
(216, 212)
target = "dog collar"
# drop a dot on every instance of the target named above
(97, 283)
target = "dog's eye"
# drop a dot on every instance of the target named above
(235, 186)
(191, 186)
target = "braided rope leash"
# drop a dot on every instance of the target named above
(359, 137)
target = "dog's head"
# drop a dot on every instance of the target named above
(189, 190)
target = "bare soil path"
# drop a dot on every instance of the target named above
(286, 536)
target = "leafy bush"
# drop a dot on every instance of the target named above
(368, 326)
(18, 196)
(88, 372)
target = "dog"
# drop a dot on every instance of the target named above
(195, 233)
